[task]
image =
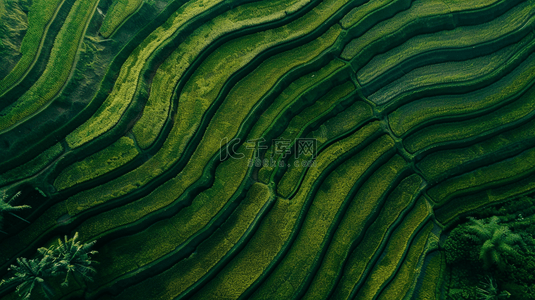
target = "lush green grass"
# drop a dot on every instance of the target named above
(185, 273)
(319, 108)
(41, 14)
(432, 279)
(429, 13)
(243, 97)
(329, 156)
(463, 75)
(507, 170)
(102, 162)
(298, 123)
(410, 268)
(447, 132)
(123, 92)
(190, 112)
(355, 261)
(344, 121)
(33, 166)
(370, 9)
(293, 95)
(292, 100)
(334, 127)
(361, 260)
(118, 12)
(205, 205)
(210, 77)
(283, 283)
(458, 38)
(171, 71)
(439, 164)
(398, 245)
(485, 177)
(14, 23)
(58, 68)
(277, 226)
(175, 222)
(323, 210)
(371, 198)
(158, 240)
(426, 109)
(456, 207)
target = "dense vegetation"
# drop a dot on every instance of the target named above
(267, 149)
(495, 251)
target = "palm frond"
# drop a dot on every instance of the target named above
(74, 258)
(6, 207)
(30, 274)
(480, 229)
(493, 221)
(513, 238)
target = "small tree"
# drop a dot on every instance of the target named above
(497, 240)
(71, 257)
(31, 275)
(7, 208)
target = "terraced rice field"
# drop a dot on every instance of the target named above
(264, 149)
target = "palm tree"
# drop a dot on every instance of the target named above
(30, 275)
(497, 240)
(72, 257)
(490, 291)
(6, 207)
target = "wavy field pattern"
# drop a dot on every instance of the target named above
(155, 127)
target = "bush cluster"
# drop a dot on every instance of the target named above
(497, 247)
(70, 258)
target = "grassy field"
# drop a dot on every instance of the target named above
(118, 12)
(58, 70)
(40, 16)
(261, 149)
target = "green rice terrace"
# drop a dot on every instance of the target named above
(267, 149)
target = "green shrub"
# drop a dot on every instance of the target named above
(460, 246)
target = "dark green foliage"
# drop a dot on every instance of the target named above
(13, 26)
(7, 208)
(511, 210)
(172, 222)
(72, 257)
(487, 246)
(460, 246)
(31, 275)
(69, 258)
(489, 290)
(497, 241)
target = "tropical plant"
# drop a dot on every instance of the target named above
(31, 275)
(490, 291)
(497, 240)
(6, 207)
(71, 257)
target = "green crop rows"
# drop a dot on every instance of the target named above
(262, 149)
(119, 11)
